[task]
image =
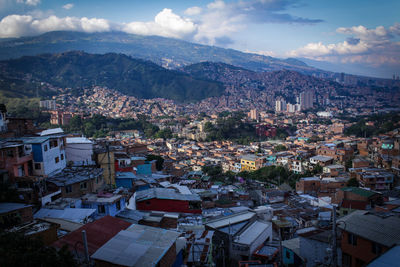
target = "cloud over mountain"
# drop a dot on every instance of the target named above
(374, 46)
(25, 25)
(215, 24)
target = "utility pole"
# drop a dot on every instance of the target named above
(280, 247)
(109, 163)
(334, 245)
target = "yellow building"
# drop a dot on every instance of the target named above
(106, 162)
(250, 162)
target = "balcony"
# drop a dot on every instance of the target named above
(20, 159)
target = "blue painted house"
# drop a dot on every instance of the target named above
(48, 153)
(104, 203)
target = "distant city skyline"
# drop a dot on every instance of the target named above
(360, 37)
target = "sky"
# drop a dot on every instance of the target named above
(358, 36)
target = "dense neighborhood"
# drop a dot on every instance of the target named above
(305, 196)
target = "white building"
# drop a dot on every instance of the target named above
(306, 100)
(280, 105)
(3, 119)
(79, 150)
(48, 104)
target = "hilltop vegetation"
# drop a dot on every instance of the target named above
(143, 79)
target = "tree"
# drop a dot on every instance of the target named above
(317, 169)
(280, 147)
(208, 127)
(19, 250)
(159, 161)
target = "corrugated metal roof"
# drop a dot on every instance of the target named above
(252, 232)
(70, 214)
(321, 158)
(380, 228)
(292, 244)
(74, 175)
(164, 193)
(133, 216)
(139, 245)
(7, 207)
(78, 140)
(97, 232)
(52, 131)
(64, 224)
(231, 219)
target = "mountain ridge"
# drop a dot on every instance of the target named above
(77, 69)
(168, 52)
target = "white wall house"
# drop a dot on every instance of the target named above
(79, 150)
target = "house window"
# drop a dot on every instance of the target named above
(287, 254)
(147, 202)
(101, 209)
(376, 249)
(83, 185)
(194, 205)
(56, 159)
(45, 147)
(118, 204)
(53, 143)
(68, 189)
(346, 260)
(62, 156)
(37, 166)
(10, 153)
(352, 239)
(360, 262)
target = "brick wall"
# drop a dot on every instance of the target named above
(362, 251)
(169, 257)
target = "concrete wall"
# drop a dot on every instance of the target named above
(79, 153)
(314, 252)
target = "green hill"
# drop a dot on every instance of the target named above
(143, 79)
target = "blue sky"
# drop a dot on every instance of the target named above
(362, 35)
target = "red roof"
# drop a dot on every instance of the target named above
(97, 233)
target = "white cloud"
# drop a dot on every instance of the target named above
(193, 11)
(372, 46)
(221, 20)
(68, 6)
(23, 25)
(166, 23)
(214, 24)
(263, 53)
(29, 2)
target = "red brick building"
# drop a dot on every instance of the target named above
(366, 235)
